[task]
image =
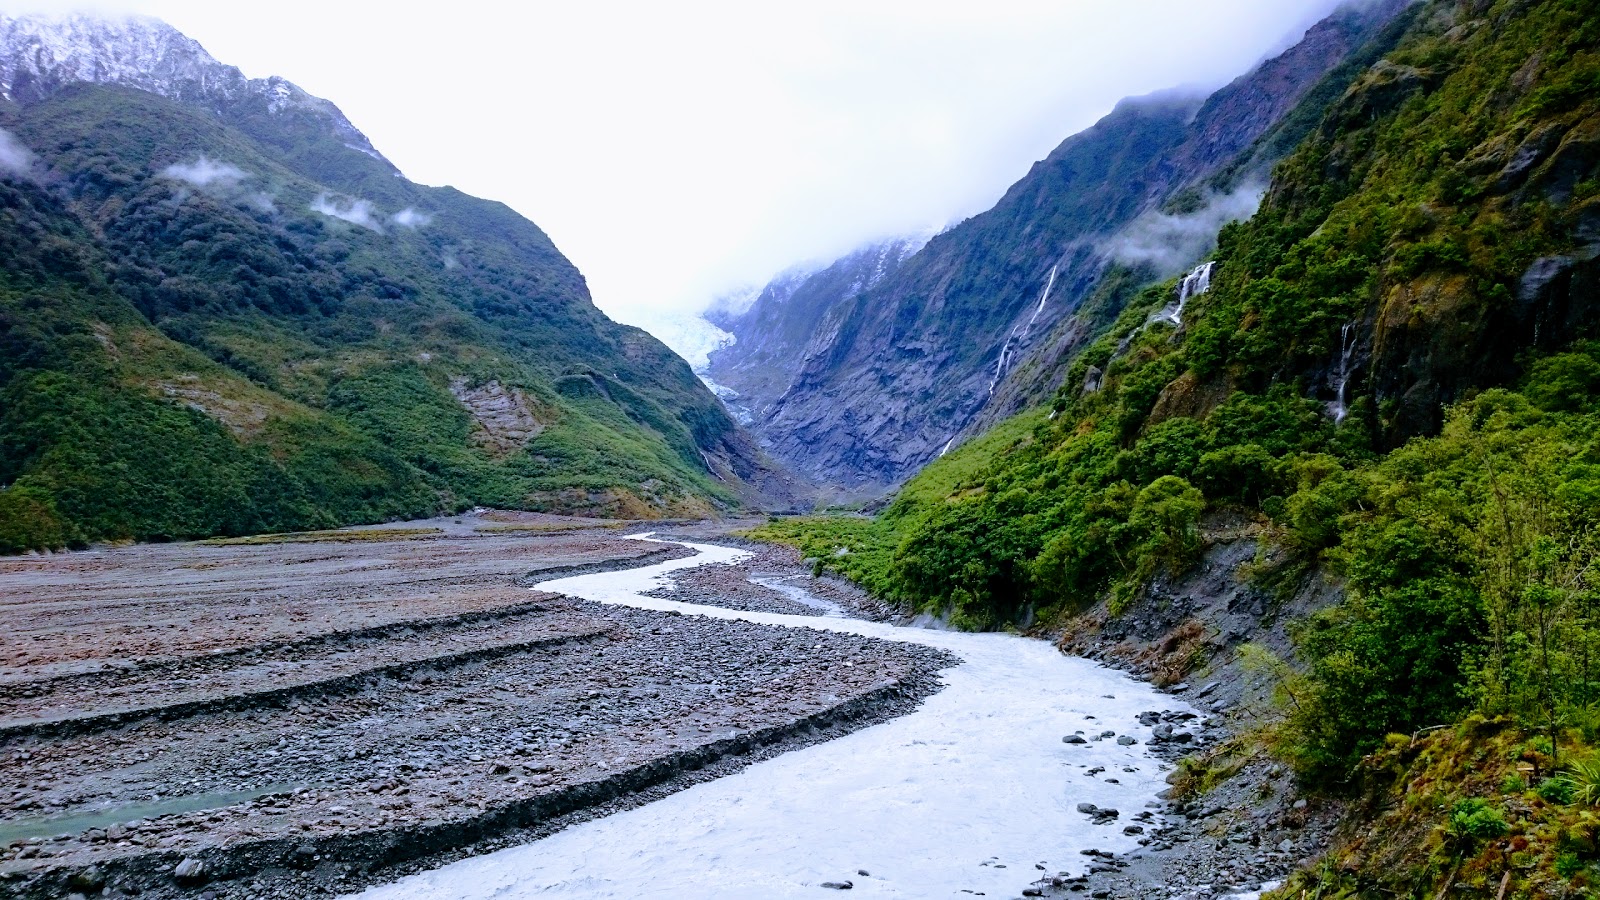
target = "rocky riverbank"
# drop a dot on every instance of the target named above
(1234, 819)
(1231, 819)
(1247, 829)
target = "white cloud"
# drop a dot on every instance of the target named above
(205, 172)
(411, 218)
(349, 209)
(1172, 242)
(15, 159)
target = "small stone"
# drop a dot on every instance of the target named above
(1088, 809)
(190, 869)
(1285, 845)
(1127, 740)
(839, 885)
(1074, 739)
(863, 873)
(1300, 804)
(1133, 829)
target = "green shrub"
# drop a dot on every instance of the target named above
(28, 521)
(1583, 778)
(1556, 790)
(1473, 819)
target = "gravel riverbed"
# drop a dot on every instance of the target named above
(339, 712)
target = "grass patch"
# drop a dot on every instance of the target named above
(374, 535)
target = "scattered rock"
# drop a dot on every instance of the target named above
(1074, 739)
(839, 885)
(1127, 740)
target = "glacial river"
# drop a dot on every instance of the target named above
(973, 794)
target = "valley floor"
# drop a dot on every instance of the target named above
(306, 715)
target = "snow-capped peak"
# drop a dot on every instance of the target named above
(39, 53)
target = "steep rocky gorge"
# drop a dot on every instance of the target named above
(966, 331)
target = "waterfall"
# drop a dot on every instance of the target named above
(1197, 282)
(1347, 348)
(1005, 348)
(947, 445)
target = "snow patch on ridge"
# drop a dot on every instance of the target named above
(40, 52)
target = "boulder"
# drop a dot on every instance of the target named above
(190, 870)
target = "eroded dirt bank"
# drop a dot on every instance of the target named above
(303, 718)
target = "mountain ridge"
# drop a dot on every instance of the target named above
(47, 52)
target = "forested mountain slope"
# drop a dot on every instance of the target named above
(889, 375)
(1393, 383)
(221, 311)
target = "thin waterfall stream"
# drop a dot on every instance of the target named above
(974, 793)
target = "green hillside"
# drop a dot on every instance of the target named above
(189, 347)
(1431, 246)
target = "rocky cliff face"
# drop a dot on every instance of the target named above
(889, 377)
(778, 334)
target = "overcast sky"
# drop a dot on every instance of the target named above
(675, 150)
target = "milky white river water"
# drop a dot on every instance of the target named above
(963, 796)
